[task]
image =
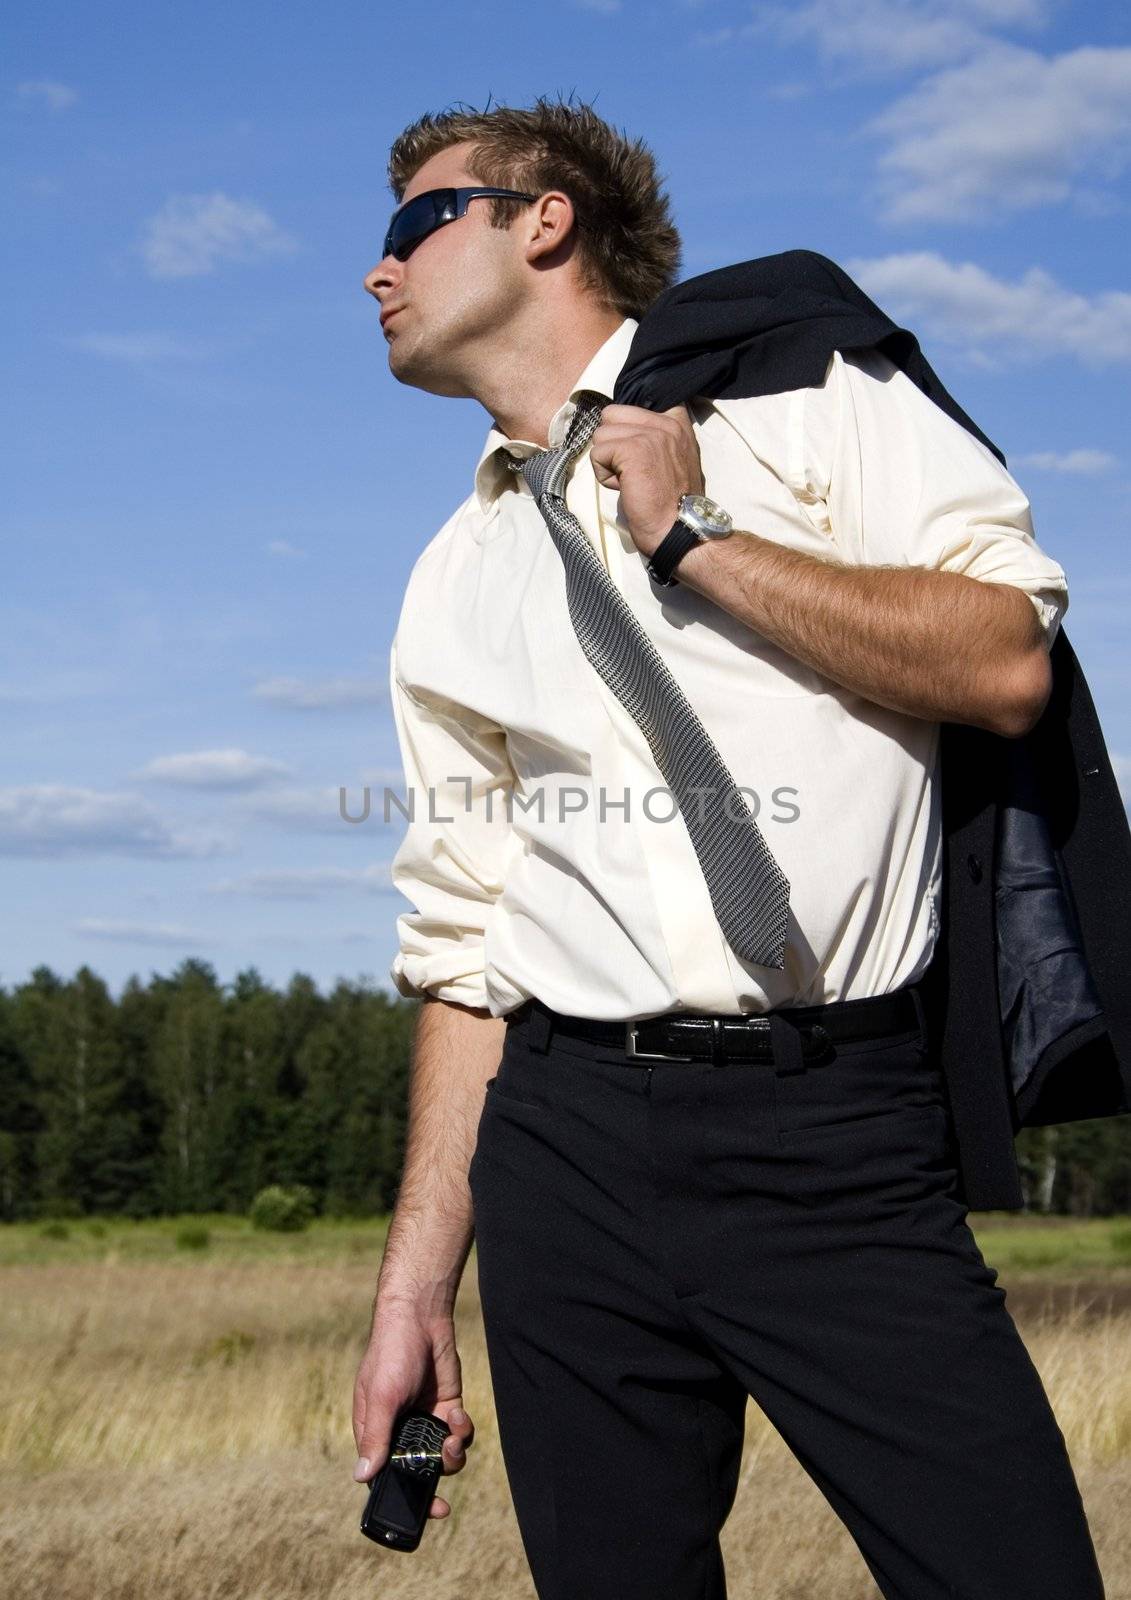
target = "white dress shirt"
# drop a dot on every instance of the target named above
(603, 912)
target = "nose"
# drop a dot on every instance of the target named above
(381, 277)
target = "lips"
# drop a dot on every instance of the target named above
(385, 315)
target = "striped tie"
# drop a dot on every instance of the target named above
(748, 890)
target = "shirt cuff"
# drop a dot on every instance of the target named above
(451, 974)
(1049, 605)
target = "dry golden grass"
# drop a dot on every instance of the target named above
(180, 1430)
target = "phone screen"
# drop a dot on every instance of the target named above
(402, 1500)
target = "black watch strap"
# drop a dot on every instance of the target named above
(670, 552)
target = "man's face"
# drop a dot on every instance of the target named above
(456, 288)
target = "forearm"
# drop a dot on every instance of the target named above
(455, 1050)
(929, 643)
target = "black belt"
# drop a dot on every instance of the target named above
(700, 1036)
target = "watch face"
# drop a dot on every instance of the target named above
(705, 515)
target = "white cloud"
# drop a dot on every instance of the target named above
(214, 769)
(120, 932)
(287, 551)
(963, 305)
(307, 883)
(327, 694)
(138, 349)
(55, 819)
(193, 233)
(320, 810)
(1007, 130)
(991, 126)
(881, 36)
(55, 96)
(1077, 463)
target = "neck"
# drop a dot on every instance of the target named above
(522, 395)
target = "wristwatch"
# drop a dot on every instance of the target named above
(698, 519)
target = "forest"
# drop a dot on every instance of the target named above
(189, 1095)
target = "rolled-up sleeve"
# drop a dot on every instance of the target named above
(450, 863)
(912, 487)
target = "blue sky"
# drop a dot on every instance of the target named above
(214, 488)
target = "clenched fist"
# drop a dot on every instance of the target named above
(651, 458)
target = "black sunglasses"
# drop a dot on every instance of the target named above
(412, 222)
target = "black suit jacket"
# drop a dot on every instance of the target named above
(1028, 994)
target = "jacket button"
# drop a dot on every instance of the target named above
(975, 868)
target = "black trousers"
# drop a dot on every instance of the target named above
(656, 1244)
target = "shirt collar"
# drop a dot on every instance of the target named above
(493, 475)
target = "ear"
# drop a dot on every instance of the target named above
(551, 222)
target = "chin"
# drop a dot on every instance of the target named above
(419, 373)
(403, 367)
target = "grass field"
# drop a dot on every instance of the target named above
(174, 1419)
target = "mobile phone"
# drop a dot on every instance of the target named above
(402, 1490)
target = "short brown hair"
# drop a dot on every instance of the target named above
(628, 247)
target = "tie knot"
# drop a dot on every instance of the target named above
(547, 471)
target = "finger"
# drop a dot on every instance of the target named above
(439, 1508)
(373, 1446)
(632, 418)
(637, 420)
(463, 1429)
(611, 415)
(461, 1436)
(610, 435)
(454, 1453)
(360, 1398)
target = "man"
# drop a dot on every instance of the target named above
(664, 1231)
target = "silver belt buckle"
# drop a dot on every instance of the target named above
(630, 1048)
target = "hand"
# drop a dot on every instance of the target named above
(409, 1362)
(652, 458)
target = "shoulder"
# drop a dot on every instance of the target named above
(791, 431)
(884, 407)
(796, 269)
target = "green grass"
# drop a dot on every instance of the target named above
(1021, 1244)
(1014, 1242)
(229, 1238)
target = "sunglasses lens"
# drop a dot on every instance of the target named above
(415, 221)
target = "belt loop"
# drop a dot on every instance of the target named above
(718, 1043)
(541, 1028)
(787, 1045)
